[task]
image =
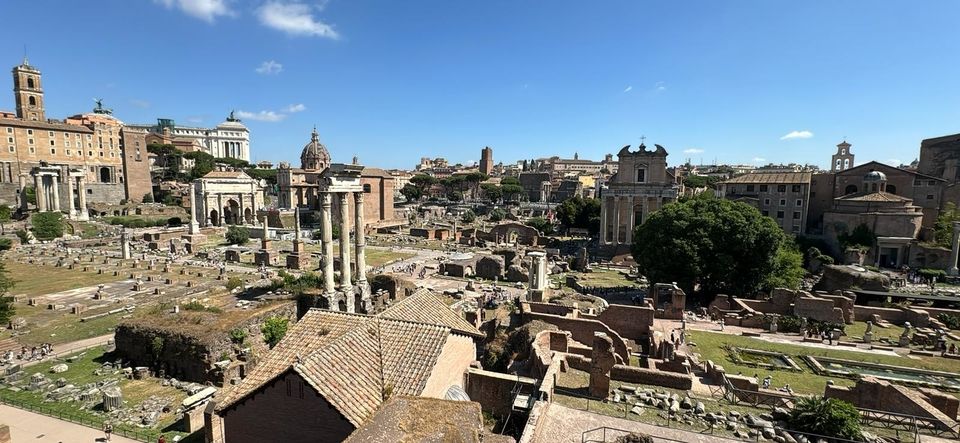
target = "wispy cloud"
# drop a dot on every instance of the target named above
(299, 107)
(262, 116)
(894, 162)
(269, 67)
(295, 19)
(195, 119)
(629, 88)
(660, 86)
(143, 104)
(759, 159)
(206, 10)
(797, 134)
(693, 151)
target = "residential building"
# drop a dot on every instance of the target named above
(782, 196)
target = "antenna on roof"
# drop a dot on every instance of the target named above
(25, 61)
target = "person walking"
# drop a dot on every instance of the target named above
(107, 430)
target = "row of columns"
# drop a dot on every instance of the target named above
(346, 285)
(615, 206)
(47, 188)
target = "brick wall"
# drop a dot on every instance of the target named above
(881, 395)
(631, 374)
(287, 410)
(455, 357)
(494, 390)
(582, 330)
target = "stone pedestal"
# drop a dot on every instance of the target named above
(231, 256)
(868, 337)
(298, 261)
(265, 257)
(112, 399)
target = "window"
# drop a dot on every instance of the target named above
(781, 188)
(33, 150)
(766, 201)
(641, 175)
(843, 151)
(53, 142)
(795, 188)
(917, 182)
(53, 151)
(366, 188)
(89, 137)
(9, 139)
(766, 213)
(929, 196)
(32, 100)
(799, 202)
(29, 131)
(30, 82)
(779, 214)
(68, 152)
(749, 188)
(850, 189)
(66, 143)
(796, 215)
(846, 163)
(783, 202)
(49, 133)
(12, 149)
(9, 130)
(795, 228)
(90, 153)
(932, 183)
(29, 141)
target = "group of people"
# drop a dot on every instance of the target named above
(768, 381)
(27, 354)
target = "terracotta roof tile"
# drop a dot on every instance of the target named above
(425, 307)
(771, 178)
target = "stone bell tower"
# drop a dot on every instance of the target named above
(843, 159)
(28, 92)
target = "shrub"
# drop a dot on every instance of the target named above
(927, 273)
(234, 283)
(238, 336)
(826, 416)
(273, 330)
(468, 217)
(174, 222)
(949, 320)
(5, 244)
(634, 438)
(47, 225)
(137, 222)
(237, 235)
(148, 197)
(497, 215)
(22, 235)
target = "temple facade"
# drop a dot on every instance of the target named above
(641, 186)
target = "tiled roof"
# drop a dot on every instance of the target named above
(875, 197)
(226, 174)
(420, 419)
(425, 307)
(770, 178)
(383, 356)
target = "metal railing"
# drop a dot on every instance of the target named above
(606, 432)
(735, 395)
(909, 423)
(82, 420)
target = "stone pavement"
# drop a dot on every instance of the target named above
(28, 426)
(561, 424)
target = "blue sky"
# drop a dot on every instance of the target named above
(391, 81)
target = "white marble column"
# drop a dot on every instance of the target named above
(630, 219)
(616, 220)
(22, 197)
(82, 197)
(346, 283)
(360, 240)
(326, 229)
(194, 223)
(223, 214)
(604, 208)
(40, 190)
(240, 217)
(71, 212)
(954, 252)
(55, 179)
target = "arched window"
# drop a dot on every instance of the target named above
(851, 189)
(32, 101)
(104, 175)
(30, 83)
(891, 189)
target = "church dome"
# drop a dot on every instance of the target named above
(315, 156)
(875, 176)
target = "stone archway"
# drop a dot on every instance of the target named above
(248, 216)
(214, 217)
(231, 212)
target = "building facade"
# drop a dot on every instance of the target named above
(486, 160)
(227, 198)
(782, 196)
(641, 186)
(843, 159)
(96, 147)
(229, 139)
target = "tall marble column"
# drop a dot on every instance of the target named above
(71, 212)
(40, 191)
(346, 283)
(604, 208)
(616, 220)
(954, 252)
(360, 239)
(194, 224)
(55, 179)
(82, 198)
(22, 196)
(223, 214)
(326, 228)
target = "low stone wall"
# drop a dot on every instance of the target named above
(892, 315)
(582, 330)
(494, 390)
(881, 395)
(548, 308)
(946, 403)
(632, 374)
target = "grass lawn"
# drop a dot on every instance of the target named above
(33, 280)
(81, 372)
(66, 328)
(602, 278)
(711, 346)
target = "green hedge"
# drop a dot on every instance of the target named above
(137, 222)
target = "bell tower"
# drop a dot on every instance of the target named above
(28, 92)
(843, 159)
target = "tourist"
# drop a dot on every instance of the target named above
(767, 381)
(162, 439)
(107, 430)
(721, 324)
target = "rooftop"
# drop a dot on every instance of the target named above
(770, 178)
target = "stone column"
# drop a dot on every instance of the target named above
(360, 240)
(82, 197)
(220, 210)
(954, 252)
(538, 276)
(243, 220)
(22, 197)
(604, 207)
(326, 229)
(71, 212)
(630, 219)
(40, 192)
(55, 179)
(346, 283)
(194, 224)
(616, 220)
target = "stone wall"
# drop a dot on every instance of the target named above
(629, 322)
(881, 395)
(494, 390)
(582, 330)
(632, 374)
(817, 308)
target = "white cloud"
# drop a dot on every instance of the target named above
(294, 19)
(693, 151)
(299, 107)
(269, 67)
(759, 159)
(195, 119)
(894, 162)
(629, 88)
(797, 134)
(143, 104)
(660, 86)
(262, 116)
(206, 10)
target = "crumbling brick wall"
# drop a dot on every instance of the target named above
(582, 330)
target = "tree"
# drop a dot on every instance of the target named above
(943, 228)
(5, 214)
(454, 184)
(31, 193)
(582, 213)
(788, 269)
(468, 217)
(497, 214)
(492, 192)
(47, 225)
(237, 235)
(7, 308)
(411, 192)
(861, 237)
(273, 329)
(829, 417)
(510, 187)
(541, 224)
(423, 182)
(148, 197)
(700, 181)
(473, 180)
(720, 245)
